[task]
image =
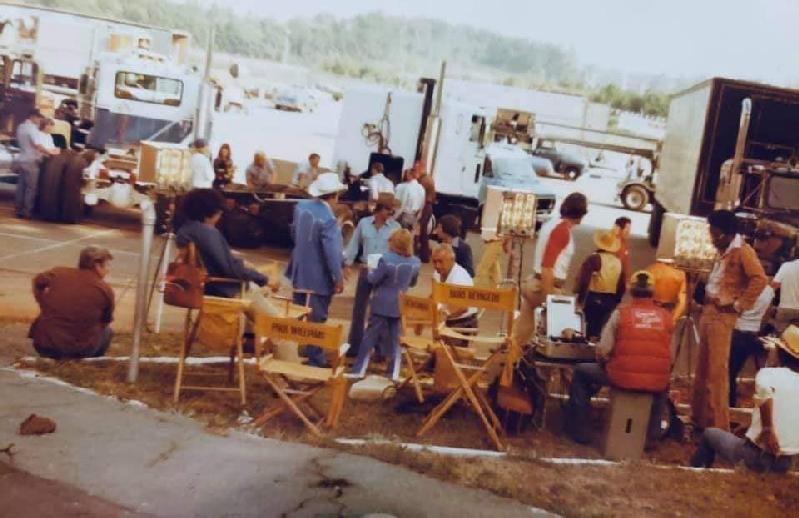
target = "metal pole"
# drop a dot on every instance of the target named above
(148, 226)
(205, 95)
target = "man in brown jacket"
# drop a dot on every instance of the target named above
(734, 284)
(77, 306)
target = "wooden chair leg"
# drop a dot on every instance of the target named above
(231, 364)
(337, 404)
(242, 378)
(292, 406)
(182, 359)
(413, 377)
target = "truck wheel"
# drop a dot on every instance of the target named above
(655, 224)
(634, 197)
(49, 203)
(571, 173)
(71, 198)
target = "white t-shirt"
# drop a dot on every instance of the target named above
(45, 140)
(411, 196)
(459, 277)
(202, 173)
(782, 386)
(788, 278)
(563, 244)
(379, 184)
(751, 319)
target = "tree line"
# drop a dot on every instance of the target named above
(375, 46)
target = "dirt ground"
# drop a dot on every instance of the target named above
(652, 487)
(24, 495)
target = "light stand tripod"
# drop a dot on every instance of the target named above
(164, 256)
(688, 334)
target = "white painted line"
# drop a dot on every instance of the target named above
(31, 238)
(58, 245)
(151, 359)
(444, 450)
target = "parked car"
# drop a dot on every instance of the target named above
(568, 165)
(290, 102)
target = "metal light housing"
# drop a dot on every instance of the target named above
(686, 241)
(508, 212)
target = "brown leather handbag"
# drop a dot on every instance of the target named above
(185, 280)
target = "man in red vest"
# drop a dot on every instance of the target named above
(633, 353)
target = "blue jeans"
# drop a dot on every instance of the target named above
(588, 379)
(382, 331)
(737, 450)
(319, 306)
(27, 188)
(359, 309)
(57, 354)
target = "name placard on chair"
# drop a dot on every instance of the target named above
(464, 296)
(306, 333)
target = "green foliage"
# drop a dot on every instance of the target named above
(373, 46)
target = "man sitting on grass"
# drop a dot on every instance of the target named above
(77, 306)
(772, 440)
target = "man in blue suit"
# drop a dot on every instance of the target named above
(317, 256)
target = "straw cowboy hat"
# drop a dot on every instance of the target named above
(326, 183)
(607, 240)
(790, 341)
(388, 200)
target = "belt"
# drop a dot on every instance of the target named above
(748, 333)
(559, 283)
(666, 305)
(722, 308)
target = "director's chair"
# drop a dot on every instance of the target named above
(460, 297)
(295, 383)
(416, 314)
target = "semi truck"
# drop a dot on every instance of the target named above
(450, 138)
(734, 144)
(117, 85)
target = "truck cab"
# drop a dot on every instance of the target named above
(568, 165)
(507, 166)
(142, 96)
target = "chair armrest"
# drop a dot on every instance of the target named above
(223, 280)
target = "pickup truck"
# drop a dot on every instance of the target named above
(567, 165)
(509, 166)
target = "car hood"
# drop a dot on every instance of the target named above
(533, 185)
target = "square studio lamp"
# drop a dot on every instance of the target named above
(686, 241)
(508, 212)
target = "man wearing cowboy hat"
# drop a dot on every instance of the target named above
(370, 238)
(315, 263)
(600, 284)
(772, 441)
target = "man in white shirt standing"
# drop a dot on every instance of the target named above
(378, 183)
(26, 164)
(746, 339)
(450, 272)
(202, 172)
(410, 194)
(787, 281)
(772, 440)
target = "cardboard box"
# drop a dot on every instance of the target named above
(627, 424)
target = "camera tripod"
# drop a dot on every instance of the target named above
(688, 331)
(159, 275)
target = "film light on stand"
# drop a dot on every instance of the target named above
(685, 242)
(508, 212)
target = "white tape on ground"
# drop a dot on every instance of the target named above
(59, 244)
(149, 359)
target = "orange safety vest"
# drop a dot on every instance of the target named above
(641, 357)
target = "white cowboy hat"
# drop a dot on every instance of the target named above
(326, 183)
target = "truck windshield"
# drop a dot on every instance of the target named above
(513, 168)
(783, 193)
(148, 89)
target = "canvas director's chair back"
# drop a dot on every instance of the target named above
(502, 300)
(416, 315)
(295, 383)
(219, 324)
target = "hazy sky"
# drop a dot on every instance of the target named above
(740, 38)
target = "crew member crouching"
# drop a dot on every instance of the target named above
(633, 354)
